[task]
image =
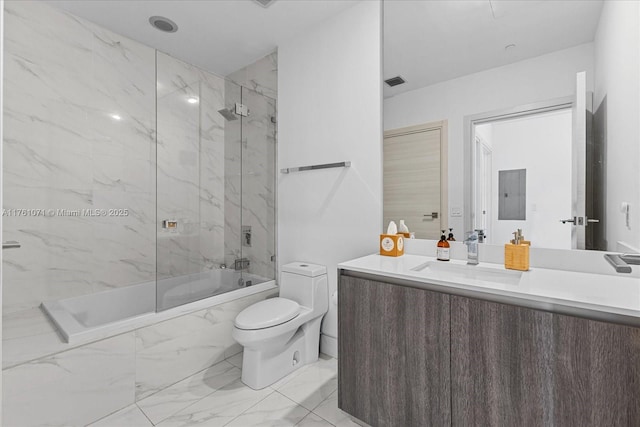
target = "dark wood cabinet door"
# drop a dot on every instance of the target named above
(596, 372)
(500, 359)
(394, 359)
(513, 366)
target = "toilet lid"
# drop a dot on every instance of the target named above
(267, 313)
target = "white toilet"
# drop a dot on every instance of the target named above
(281, 334)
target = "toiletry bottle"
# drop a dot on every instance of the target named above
(403, 229)
(451, 238)
(443, 248)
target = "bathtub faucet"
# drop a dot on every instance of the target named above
(241, 264)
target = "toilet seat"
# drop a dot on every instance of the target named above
(267, 313)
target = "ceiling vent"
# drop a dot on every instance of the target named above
(163, 24)
(394, 81)
(264, 3)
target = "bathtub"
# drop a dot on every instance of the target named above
(115, 311)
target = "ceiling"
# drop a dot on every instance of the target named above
(430, 41)
(221, 36)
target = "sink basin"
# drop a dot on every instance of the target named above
(468, 273)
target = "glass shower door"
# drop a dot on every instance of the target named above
(195, 140)
(215, 185)
(258, 187)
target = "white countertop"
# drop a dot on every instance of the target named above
(598, 296)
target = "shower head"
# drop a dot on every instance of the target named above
(228, 114)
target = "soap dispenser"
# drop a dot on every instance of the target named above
(403, 229)
(443, 248)
(451, 238)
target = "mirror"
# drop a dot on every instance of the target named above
(540, 102)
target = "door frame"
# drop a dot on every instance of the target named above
(482, 200)
(470, 154)
(443, 126)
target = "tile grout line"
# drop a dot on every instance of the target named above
(243, 412)
(318, 405)
(323, 419)
(189, 406)
(297, 404)
(180, 380)
(309, 412)
(193, 403)
(145, 415)
(325, 399)
(321, 402)
(108, 415)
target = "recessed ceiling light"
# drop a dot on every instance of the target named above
(192, 100)
(115, 116)
(509, 47)
(163, 24)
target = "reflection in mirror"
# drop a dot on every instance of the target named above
(541, 99)
(514, 185)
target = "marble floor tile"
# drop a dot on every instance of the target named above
(28, 335)
(219, 408)
(329, 411)
(172, 399)
(312, 420)
(71, 388)
(281, 382)
(236, 360)
(275, 410)
(313, 385)
(131, 416)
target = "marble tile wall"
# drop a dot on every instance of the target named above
(261, 76)
(71, 388)
(253, 169)
(258, 186)
(191, 164)
(80, 133)
(64, 150)
(84, 384)
(65, 81)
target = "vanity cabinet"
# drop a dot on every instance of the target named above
(393, 364)
(416, 357)
(517, 366)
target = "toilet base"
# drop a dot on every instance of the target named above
(261, 368)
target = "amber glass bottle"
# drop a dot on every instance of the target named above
(451, 238)
(443, 248)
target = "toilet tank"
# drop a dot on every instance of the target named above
(305, 284)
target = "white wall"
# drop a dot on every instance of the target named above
(541, 144)
(617, 76)
(330, 110)
(538, 79)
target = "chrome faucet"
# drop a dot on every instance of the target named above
(474, 237)
(472, 247)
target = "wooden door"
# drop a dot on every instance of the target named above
(414, 181)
